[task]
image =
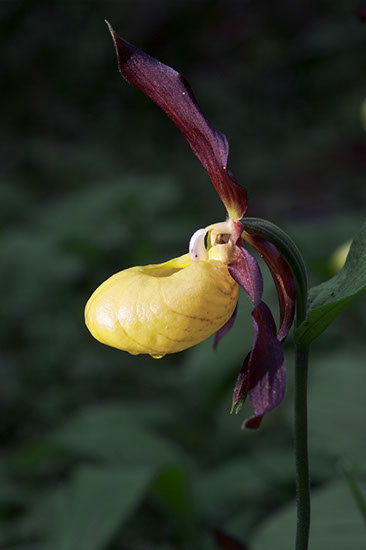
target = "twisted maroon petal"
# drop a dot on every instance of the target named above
(225, 329)
(283, 278)
(265, 380)
(242, 386)
(244, 269)
(170, 91)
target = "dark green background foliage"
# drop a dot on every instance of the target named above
(101, 450)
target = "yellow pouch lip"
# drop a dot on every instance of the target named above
(167, 307)
(221, 253)
(177, 312)
(166, 269)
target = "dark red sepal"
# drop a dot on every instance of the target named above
(283, 278)
(172, 93)
(225, 329)
(265, 379)
(244, 269)
(252, 423)
(228, 542)
(236, 232)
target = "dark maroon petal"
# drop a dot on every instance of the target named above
(227, 542)
(283, 278)
(266, 382)
(225, 329)
(241, 386)
(244, 269)
(170, 91)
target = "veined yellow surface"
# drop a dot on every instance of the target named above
(163, 308)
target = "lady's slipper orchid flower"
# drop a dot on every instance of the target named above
(168, 307)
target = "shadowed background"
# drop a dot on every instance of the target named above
(101, 450)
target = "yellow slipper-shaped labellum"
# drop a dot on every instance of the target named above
(164, 308)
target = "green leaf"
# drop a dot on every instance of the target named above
(96, 503)
(173, 489)
(230, 485)
(109, 433)
(337, 405)
(329, 299)
(355, 489)
(336, 523)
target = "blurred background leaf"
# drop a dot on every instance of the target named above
(96, 503)
(95, 179)
(337, 407)
(354, 487)
(336, 523)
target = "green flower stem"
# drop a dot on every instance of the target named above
(301, 450)
(290, 252)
